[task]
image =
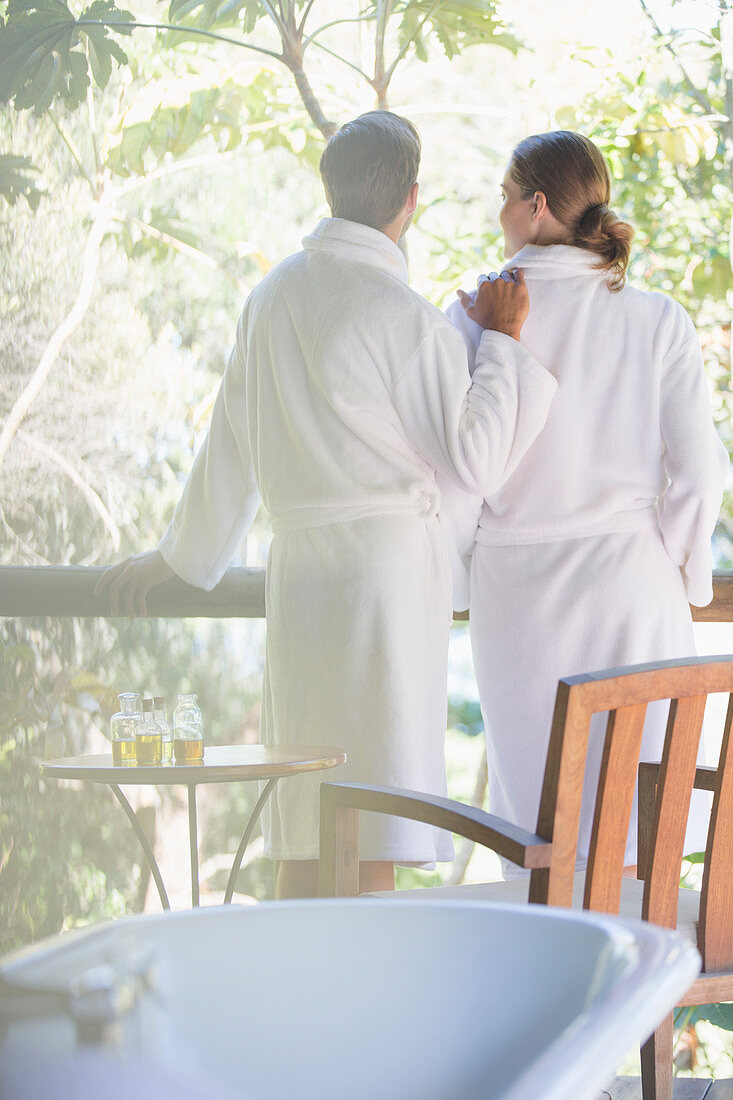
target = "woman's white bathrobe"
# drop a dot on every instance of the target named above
(345, 393)
(586, 558)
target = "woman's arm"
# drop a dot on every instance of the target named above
(695, 462)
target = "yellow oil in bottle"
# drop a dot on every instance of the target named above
(188, 750)
(148, 748)
(123, 752)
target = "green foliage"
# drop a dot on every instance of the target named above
(46, 54)
(670, 153)
(66, 865)
(465, 715)
(456, 24)
(14, 182)
(167, 118)
(719, 1014)
(216, 14)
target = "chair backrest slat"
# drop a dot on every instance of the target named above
(562, 795)
(715, 931)
(613, 808)
(627, 691)
(671, 810)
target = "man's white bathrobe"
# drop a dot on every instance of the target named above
(588, 555)
(344, 396)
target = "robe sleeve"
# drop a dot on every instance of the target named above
(473, 435)
(696, 465)
(220, 498)
(468, 328)
(460, 511)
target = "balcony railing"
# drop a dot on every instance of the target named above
(59, 591)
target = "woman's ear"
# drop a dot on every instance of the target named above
(539, 206)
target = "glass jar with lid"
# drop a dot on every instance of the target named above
(188, 731)
(124, 726)
(149, 738)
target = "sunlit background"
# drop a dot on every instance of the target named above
(145, 214)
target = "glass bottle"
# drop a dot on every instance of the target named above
(123, 728)
(149, 738)
(188, 731)
(166, 728)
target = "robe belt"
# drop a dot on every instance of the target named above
(636, 519)
(302, 519)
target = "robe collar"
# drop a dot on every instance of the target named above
(555, 261)
(357, 242)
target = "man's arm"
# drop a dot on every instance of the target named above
(215, 511)
(475, 436)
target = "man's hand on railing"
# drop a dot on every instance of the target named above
(129, 582)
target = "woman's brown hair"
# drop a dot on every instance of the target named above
(572, 174)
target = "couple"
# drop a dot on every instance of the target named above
(354, 409)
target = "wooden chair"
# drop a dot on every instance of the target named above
(550, 853)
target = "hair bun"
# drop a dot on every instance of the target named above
(600, 230)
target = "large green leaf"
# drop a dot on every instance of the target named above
(211, 14)
(14, 181)
(721, 1015)
(456, 24)
(42, 56)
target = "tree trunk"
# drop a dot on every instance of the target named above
(311, 104)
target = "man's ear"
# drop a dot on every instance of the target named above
(412, 200)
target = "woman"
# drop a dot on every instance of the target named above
(587, 557)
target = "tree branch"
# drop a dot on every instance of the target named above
(68, 326)
(275, 18)
(693, 89)
(93, 499)
(381, 80)
(68, 142)
(311, 103)
(32, 554)
(185, 249)
(180, 29)
(333, 23)
(306, 13)
(344, 61)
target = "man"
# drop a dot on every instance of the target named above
(345, 396)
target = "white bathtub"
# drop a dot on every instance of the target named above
(355, 1000)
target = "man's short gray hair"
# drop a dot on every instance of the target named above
(369, 166)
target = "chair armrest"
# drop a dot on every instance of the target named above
(341, 803)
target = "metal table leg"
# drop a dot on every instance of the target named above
(246, 836)
(145, 844)
(193, 843)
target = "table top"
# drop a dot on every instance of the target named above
(221, 764)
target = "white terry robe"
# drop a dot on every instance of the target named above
(587, 556)
(344, 395)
